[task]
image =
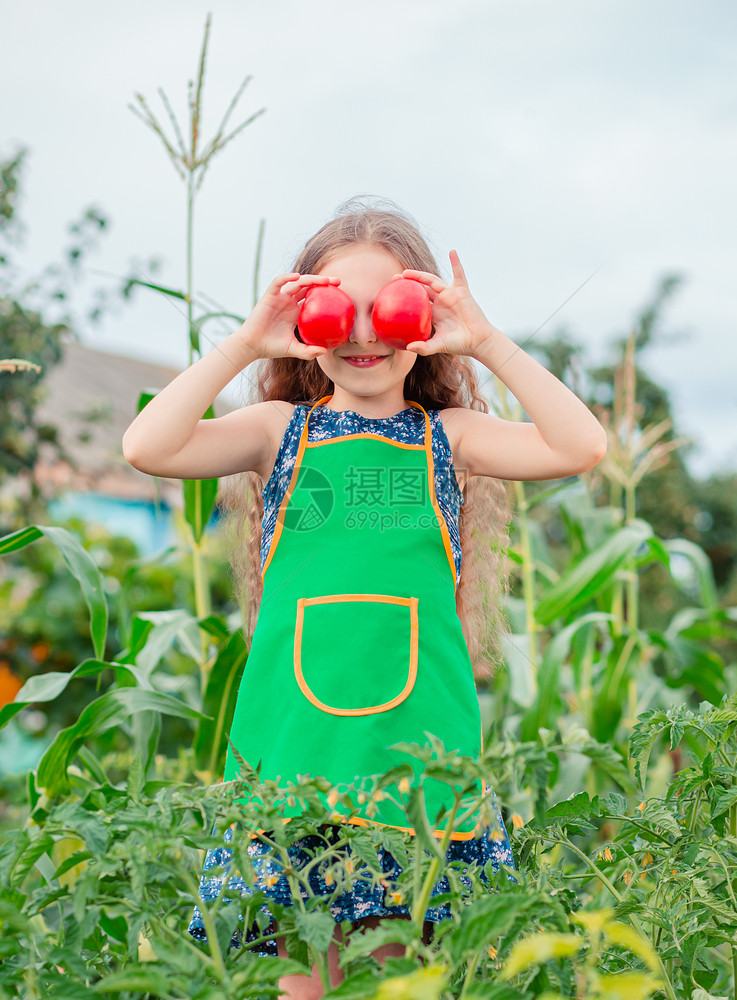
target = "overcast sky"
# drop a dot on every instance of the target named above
(545, 141)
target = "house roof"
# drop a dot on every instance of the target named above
(92, 397)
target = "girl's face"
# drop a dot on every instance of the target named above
(363, 271)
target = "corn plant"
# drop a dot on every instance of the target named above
(578, 651)
(139, 692)
(191, 159)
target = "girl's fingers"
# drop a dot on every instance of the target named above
(423, 347)
(433, 281)
(281, 280)
(304, 282)
(459, 275)
(430, 280)
(296, 283)
(316, 353)
(318, 279)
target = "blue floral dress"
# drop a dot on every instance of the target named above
(366, 898)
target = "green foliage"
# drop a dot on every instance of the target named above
(98, 883)
(133, 686)
(82, 567)
(673, 501)
(45, 625)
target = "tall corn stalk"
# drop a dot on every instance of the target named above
(632, 453)
(191, 160)
(527, 567)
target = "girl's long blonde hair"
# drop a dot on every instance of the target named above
(436, 382)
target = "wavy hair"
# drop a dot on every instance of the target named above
(435, 382)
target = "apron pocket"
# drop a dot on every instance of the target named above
(356, 654)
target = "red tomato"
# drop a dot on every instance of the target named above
(326, 317)
(402, 313)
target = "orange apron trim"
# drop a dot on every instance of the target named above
(409, 602)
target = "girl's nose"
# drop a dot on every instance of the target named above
(363, 331)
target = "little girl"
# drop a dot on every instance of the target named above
(366, 452)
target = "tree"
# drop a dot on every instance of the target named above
(35, 322)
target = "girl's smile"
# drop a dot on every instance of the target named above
(364, 360)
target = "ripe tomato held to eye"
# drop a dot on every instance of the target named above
(402, 313)
(326, 317)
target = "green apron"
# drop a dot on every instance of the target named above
(358, 643)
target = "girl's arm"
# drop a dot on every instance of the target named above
(564, 438)
(168, 437)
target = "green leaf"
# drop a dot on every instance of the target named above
(656, 551)
(144, 978)
(689, 660)
(578, 585)
(567, 486)
(516, 649)
(153, 633)
(702, 567)
(724, 801)
(423, 984)
(47, 687)
(145, 398)
(199, 320)
(560, 645)
(219, 703)
(537, 949)
(267, 970)
(575, 806)
(215, 626)
(500, 991)
(483, 921)
(82, 566)
(587, 525)
(199, 501)
(71, 862)
(661, 817)
(173, 292)
(33, 794)
(40, 844)
(627, 937)
(417, 815)
(544, 711)
(19, 539)
(623, 660)
(113, 709)
(389, 931)
(359, 986)
(315, 928)
(609, 760)
(626, 986)
(115, 926)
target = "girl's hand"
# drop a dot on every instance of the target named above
(460, 325)
(269, 330)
